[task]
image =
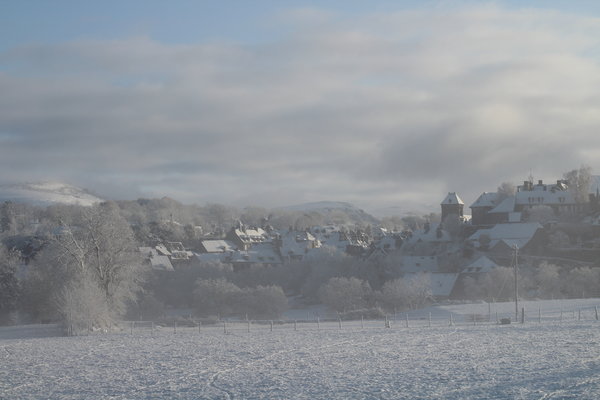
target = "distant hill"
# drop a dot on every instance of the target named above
(329, 208)
(406, 209)
(47, 193)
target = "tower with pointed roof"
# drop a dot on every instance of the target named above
(452, 204)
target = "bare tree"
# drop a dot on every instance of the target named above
(579, 182)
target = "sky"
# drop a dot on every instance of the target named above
(383, 104)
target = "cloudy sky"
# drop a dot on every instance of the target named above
(379, 103)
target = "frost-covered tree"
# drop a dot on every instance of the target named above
(345, 294)
(582, 282)
(579, 182)
(394, 295)
(497, 284)
(96, 250)
(505, 190)
(216, 297)
(9, 284)
(7, 217)
(263, 302)
(547, 281)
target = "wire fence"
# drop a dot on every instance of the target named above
(495, 315)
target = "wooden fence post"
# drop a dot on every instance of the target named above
(522, 315)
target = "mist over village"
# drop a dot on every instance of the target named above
(320, 200)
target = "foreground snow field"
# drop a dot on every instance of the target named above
(552, 359)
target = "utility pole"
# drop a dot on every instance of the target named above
(516, 254)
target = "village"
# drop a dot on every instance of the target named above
(533, 224)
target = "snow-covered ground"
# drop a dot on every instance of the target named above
(535, 360)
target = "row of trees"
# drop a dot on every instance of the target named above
(546, 281)
(350, 294)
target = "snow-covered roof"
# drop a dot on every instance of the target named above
(510, 243)
(441, 284)
(514, 217)
(481, 265)
(506, 206)
(251, 235)
(335, 239)
(430, 236)
(296, 244)
(508, 231)
(414, 264)
(511, 234)
(158, 262)
(161, 248)
(452, 198)
(218, 246)
(260, 253)
(487, 199)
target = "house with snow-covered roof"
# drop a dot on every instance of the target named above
(480, 266)
(482, 206)
(261, 254)
(216, 246)
(501, 239)
(491, 208)
(416, 264)
(244, 238)
(294, 245)
(556, 196)
(156, 260)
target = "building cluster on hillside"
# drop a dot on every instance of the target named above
(246, 246)
(460, 245)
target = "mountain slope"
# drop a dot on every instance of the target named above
(47, 193)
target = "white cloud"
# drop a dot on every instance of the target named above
(373, 110)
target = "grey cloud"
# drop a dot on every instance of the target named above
(391, 108)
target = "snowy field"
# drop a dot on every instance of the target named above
(551, 359)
